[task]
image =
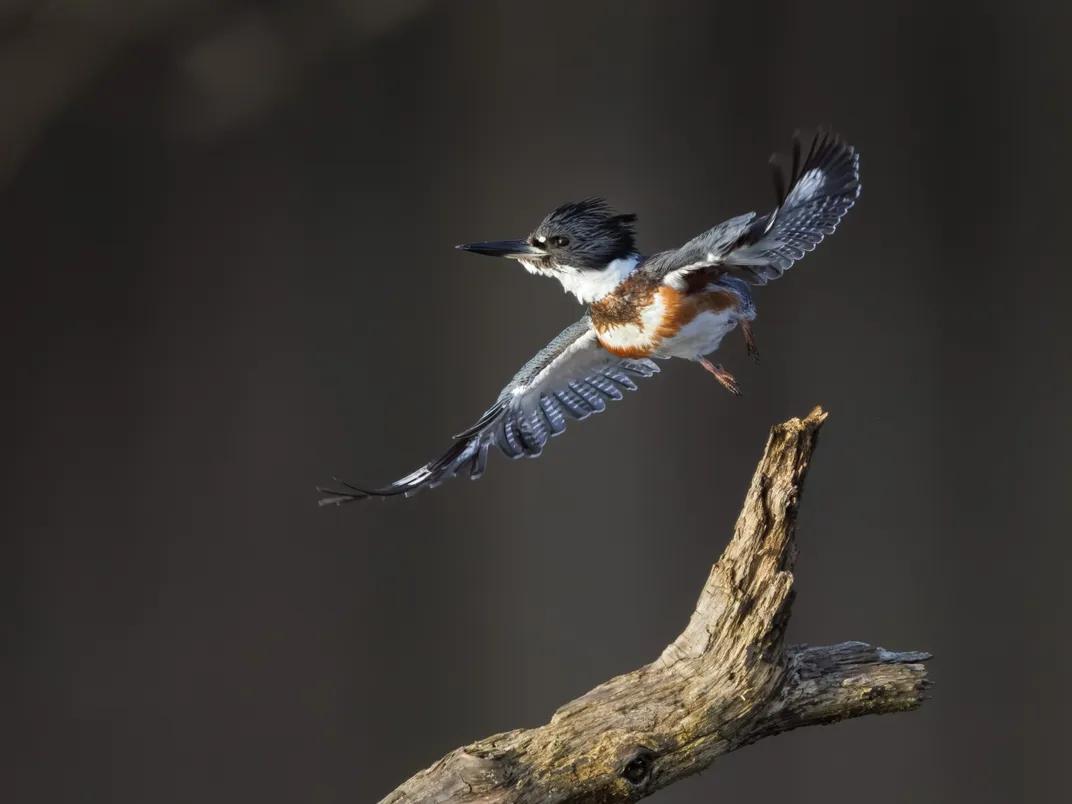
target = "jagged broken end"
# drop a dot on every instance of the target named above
(835, 682)
(754, 573)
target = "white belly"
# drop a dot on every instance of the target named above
(627, 337)
(641, 335)
(700, 336)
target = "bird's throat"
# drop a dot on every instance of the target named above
(592, 284)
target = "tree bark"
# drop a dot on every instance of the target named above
(726, 681)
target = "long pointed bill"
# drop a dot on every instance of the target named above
(512, 249)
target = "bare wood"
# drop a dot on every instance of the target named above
(726, 681)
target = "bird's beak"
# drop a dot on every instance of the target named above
(511, 249)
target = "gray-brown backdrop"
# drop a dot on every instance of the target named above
(226, 231)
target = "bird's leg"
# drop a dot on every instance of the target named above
(728, 381)
(750, 340)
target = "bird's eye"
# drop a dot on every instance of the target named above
(558, 241)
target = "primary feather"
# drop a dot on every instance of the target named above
(571, 378)
(812, 199)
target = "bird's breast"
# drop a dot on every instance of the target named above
(663, 321)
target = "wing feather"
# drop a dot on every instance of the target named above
(573, 377)
(822, 187)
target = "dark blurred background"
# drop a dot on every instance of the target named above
(226, 230)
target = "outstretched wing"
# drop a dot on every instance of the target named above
(812, 199)
(572, 378)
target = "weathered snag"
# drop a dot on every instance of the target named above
(726, 681)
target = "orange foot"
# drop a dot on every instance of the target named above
(750, 341)
(728, 381)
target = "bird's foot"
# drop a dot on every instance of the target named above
(729, 382)
(750, 341)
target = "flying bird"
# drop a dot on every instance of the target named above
(677, 303)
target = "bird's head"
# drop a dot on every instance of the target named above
(588, 246)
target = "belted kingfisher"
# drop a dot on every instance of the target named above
(677, 303)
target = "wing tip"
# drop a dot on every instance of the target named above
(828, 152)
(354, 494)
(337, 497)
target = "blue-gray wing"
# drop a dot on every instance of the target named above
(708, 249)
(812, 199)
(572, 378)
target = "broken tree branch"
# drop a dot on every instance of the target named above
(726, 681)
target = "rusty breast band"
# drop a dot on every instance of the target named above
(641, 313)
